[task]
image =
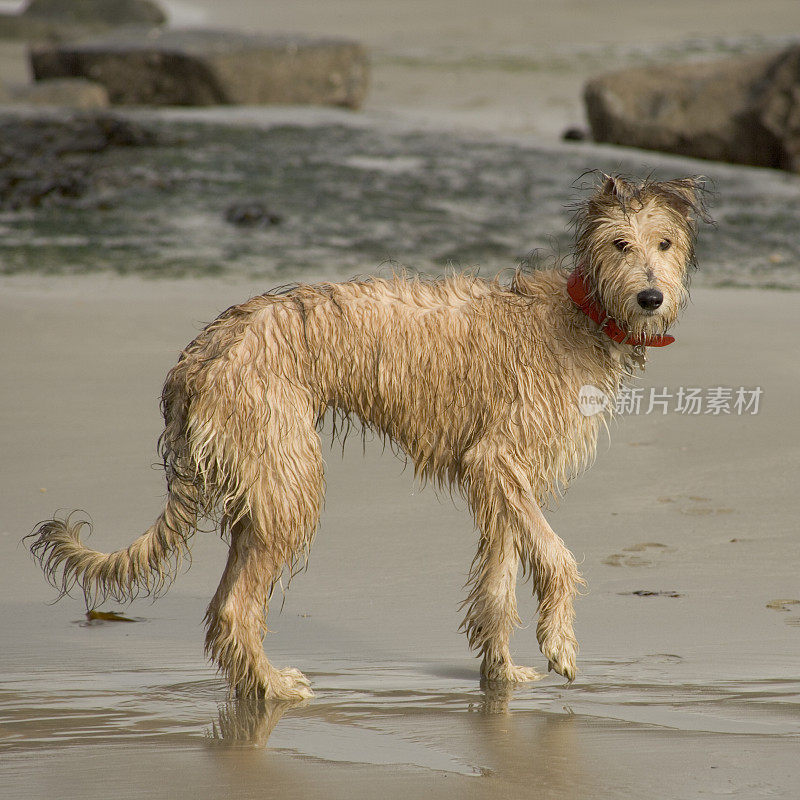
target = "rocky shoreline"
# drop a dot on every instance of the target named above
(88, 54)
(240, 186)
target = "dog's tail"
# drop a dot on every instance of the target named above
(197, 480)
(146, 566)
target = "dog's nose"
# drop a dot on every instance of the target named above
(650, 299)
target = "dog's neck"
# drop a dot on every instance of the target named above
(583, 295)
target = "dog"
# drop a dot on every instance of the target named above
(477, 381)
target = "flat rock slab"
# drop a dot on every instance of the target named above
(109, 12)
(77, 93)
(204, 67)
(68, 20)
(743, 110)
(51, 159)
(20, 27)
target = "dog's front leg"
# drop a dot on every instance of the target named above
(556, 578)
(492, 609)
(512, 526)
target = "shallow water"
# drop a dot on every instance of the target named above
(419, 720)
(377, 713)
(357, 192)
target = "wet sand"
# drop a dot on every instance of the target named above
(698, 693)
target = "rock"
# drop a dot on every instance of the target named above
(55, 159)
(251, 214)
(68, 92)
(777, 117)
(65, 20)
(203, 67)
(15, 26)
(574, 135)
(708, 110)
(110, 12)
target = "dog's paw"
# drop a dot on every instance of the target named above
(506, 672)
(295, 675)
(561, 652)
(289, 684)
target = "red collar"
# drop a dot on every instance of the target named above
(583, 296)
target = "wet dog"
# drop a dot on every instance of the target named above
(477, 381)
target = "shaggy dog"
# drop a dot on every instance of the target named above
(477, 381)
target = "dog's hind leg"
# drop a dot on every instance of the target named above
(512, 526)
(236, 620)
(282, 502)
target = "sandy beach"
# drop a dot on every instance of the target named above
(698, 506)
(685, 527)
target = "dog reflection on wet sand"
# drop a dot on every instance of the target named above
(251, 720)
(478, 381)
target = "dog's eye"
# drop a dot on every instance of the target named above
(664, 244)
(621, 245)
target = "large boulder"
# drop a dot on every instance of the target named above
(110, 12)
(54, 158)
(744, 110)
(778, 110)
(204, 67)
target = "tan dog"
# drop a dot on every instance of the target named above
(477, 381)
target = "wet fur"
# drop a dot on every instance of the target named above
(477, 381)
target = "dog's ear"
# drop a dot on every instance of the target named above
(615, 186)
(686, 195)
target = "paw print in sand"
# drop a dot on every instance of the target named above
(644, 554)
(694, 505)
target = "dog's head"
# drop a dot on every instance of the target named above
(635, 245)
